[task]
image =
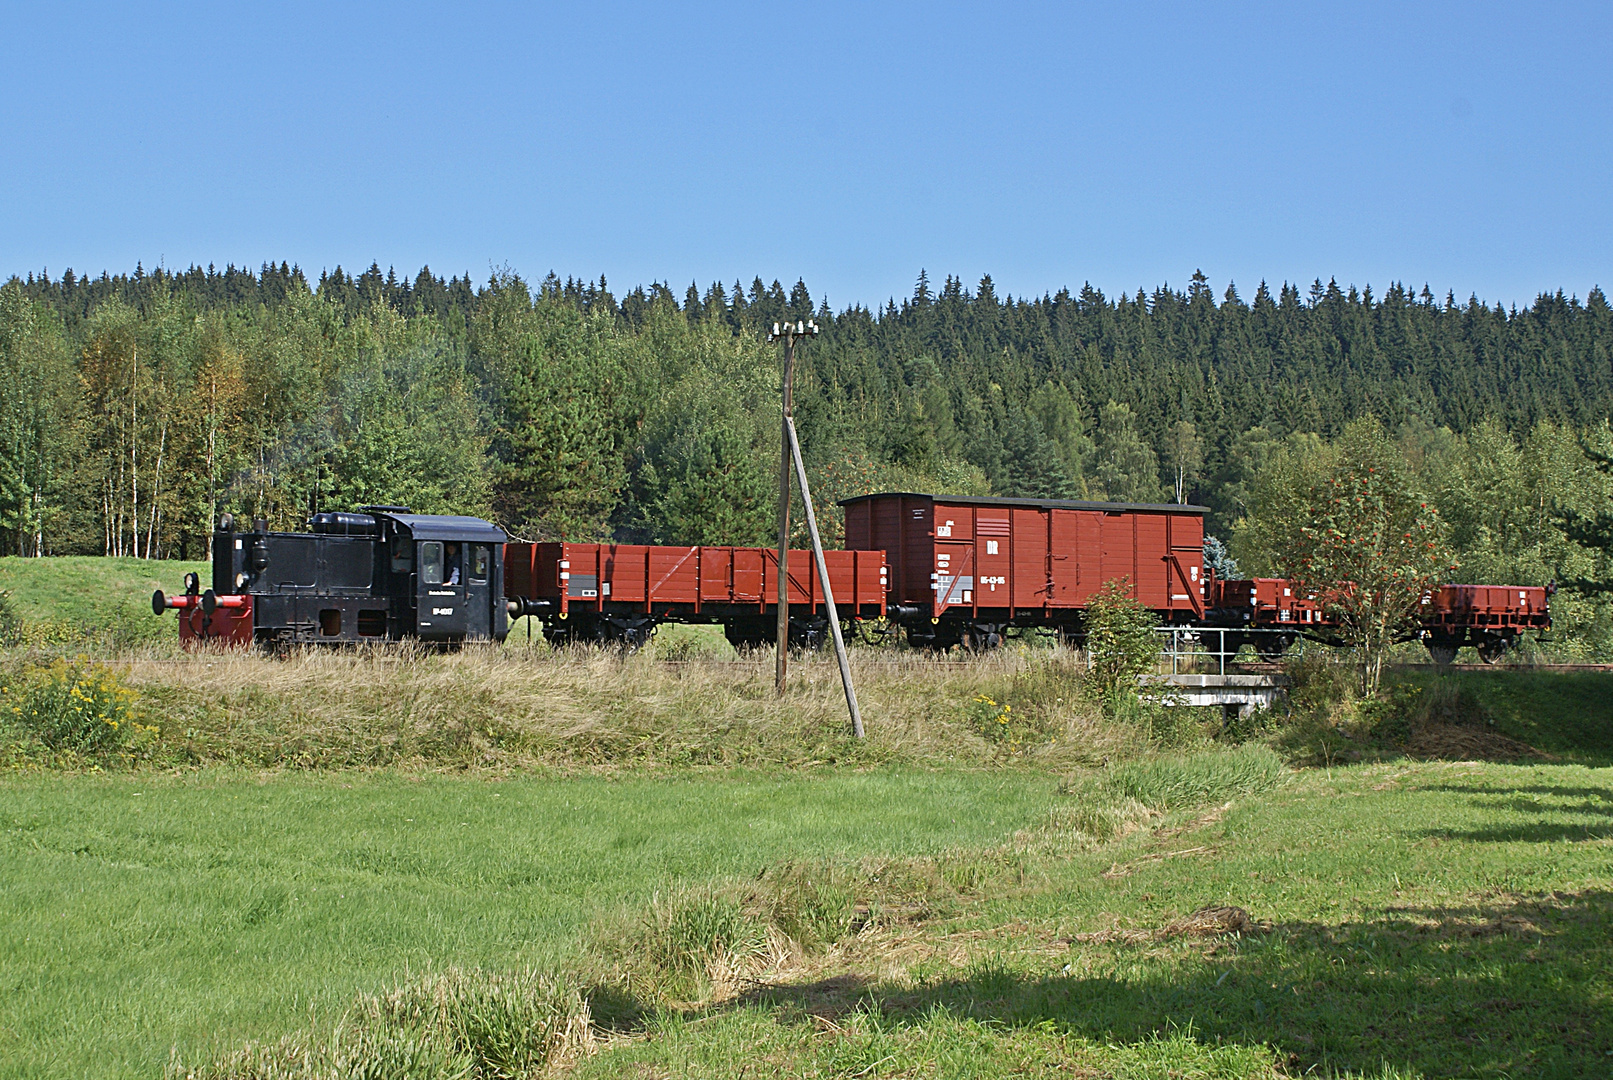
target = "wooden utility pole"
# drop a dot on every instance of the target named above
(791, 455)
(786, 333)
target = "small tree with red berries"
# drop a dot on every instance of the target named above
(1345, 523)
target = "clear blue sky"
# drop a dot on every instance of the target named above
(1468, 146)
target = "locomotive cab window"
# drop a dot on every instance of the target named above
(478, 562)
(402, 555)
(431, 562)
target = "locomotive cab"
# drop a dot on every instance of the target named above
(455, 569)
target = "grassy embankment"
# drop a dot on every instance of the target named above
(69, 600)
(954, 897)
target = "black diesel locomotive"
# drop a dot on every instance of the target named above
(382, 574)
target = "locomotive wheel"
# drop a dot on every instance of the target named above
(1442, 654)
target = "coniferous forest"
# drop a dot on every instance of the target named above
(136, 408)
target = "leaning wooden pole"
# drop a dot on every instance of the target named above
(823, 580)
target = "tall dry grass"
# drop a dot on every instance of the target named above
(491, 708)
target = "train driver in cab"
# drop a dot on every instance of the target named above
(451, 559)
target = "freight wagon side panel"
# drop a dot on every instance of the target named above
(900, 526)
(674, 574)
(1029, 573)
(917, 547)
(888, 533)
(860, 526)
(1118, 561)
(1151, 584)
(872, 579)
(803, 577)
(1185, 562)
(583, 570)
(748, 575)
(1088, 569)
(994, 579)
(954, 581)
(954, 572)
(532, 570)
(716, 571)
(854, 578)
(1489, 605)
(520, 568)
(1064, 560)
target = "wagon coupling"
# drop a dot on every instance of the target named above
(522, 606)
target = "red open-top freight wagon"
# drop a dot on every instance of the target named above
(620, 592)
(964, 569)
(1488, 617)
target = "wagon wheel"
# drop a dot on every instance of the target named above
(1491, 649)
(749, 633)
(939, 638)
(1230, 642)
(982, 639)
(1441, 654)
(630, 639)
(1272, 647)
(745, 642)
(577, 630)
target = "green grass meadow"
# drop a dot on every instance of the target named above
(141, 912)
(1440, 919)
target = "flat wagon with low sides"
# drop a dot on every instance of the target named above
(1270, 613)
(964, 570)
(383, 574)
(620, 592)
(1491, 618)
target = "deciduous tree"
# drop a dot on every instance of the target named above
(1346, 524)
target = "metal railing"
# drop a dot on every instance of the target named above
(1190, 648)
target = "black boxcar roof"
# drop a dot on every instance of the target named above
(1039, 504)
(448, 527)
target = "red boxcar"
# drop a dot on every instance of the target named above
(619, 592)
(963, 569)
